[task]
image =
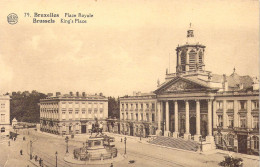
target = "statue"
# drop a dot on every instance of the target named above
(97, 128)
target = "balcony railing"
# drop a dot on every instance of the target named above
(244, 129)
(255, 129)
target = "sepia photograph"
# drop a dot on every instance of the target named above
(133, 83)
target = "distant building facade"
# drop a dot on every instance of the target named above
(72, 114)
(220, 110)
(138, 114)
(4, 115)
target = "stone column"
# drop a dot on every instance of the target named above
(166, 133)
(197, 136)
(159, 131)
(249, 115)
(98, 111)
(214, 114)
(187, 61)
(236, 113)
(187, 121)
(176, 120)
(139, 112)
(209, 137)
(224, 114)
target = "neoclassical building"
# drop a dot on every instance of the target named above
(4, 115)
(195, 104)
(72, 114)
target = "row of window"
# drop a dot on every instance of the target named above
(242, 121)
(2, 117)
(70, 109)
(72, 105)
(2, 105)
(136, 106)
(136, 118)
(242, 105)
(229, 140)
(83, 115)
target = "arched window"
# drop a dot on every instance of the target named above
(200, 57)
(219, 140)
(63, 127)
(255, 142)
(2, 129)
(230, 140)
(192, 60)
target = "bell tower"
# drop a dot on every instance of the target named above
(190, 56)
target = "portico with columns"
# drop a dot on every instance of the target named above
(192, 116)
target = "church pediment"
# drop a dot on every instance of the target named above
(181, 85)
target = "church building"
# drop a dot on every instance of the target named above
(194, 104)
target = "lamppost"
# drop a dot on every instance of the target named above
(30, 150)
(56, 154)
(67, 141)
(125, 145)
(201, 143)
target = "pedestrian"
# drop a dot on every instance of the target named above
(21, 152)
(111, 165)
(8, 143)
(40, 162)
(36, 158)
(121, 140)
(24, 138)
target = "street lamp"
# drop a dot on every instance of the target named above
(67, 141)
(200, 143)
(140, 133)
(31, 150)
(56, 158)
(125, 145)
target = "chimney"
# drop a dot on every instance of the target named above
(83, 94)
(77, 94)
(71, 93)
(241, 86)
(58, 94)
(50, 94)
(225, 83)
(255, 83)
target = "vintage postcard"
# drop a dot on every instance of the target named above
(134, 83)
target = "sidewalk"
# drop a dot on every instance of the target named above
(215, 151)
(239, 155)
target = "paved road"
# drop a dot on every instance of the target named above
(144, 155)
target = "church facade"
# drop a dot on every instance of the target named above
(220, 110)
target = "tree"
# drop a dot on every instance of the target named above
(113, 107)
(231, 162)
(24, 106)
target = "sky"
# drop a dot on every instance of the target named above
(126, 46)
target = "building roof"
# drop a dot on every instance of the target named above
(235, 82)
(75, 97)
